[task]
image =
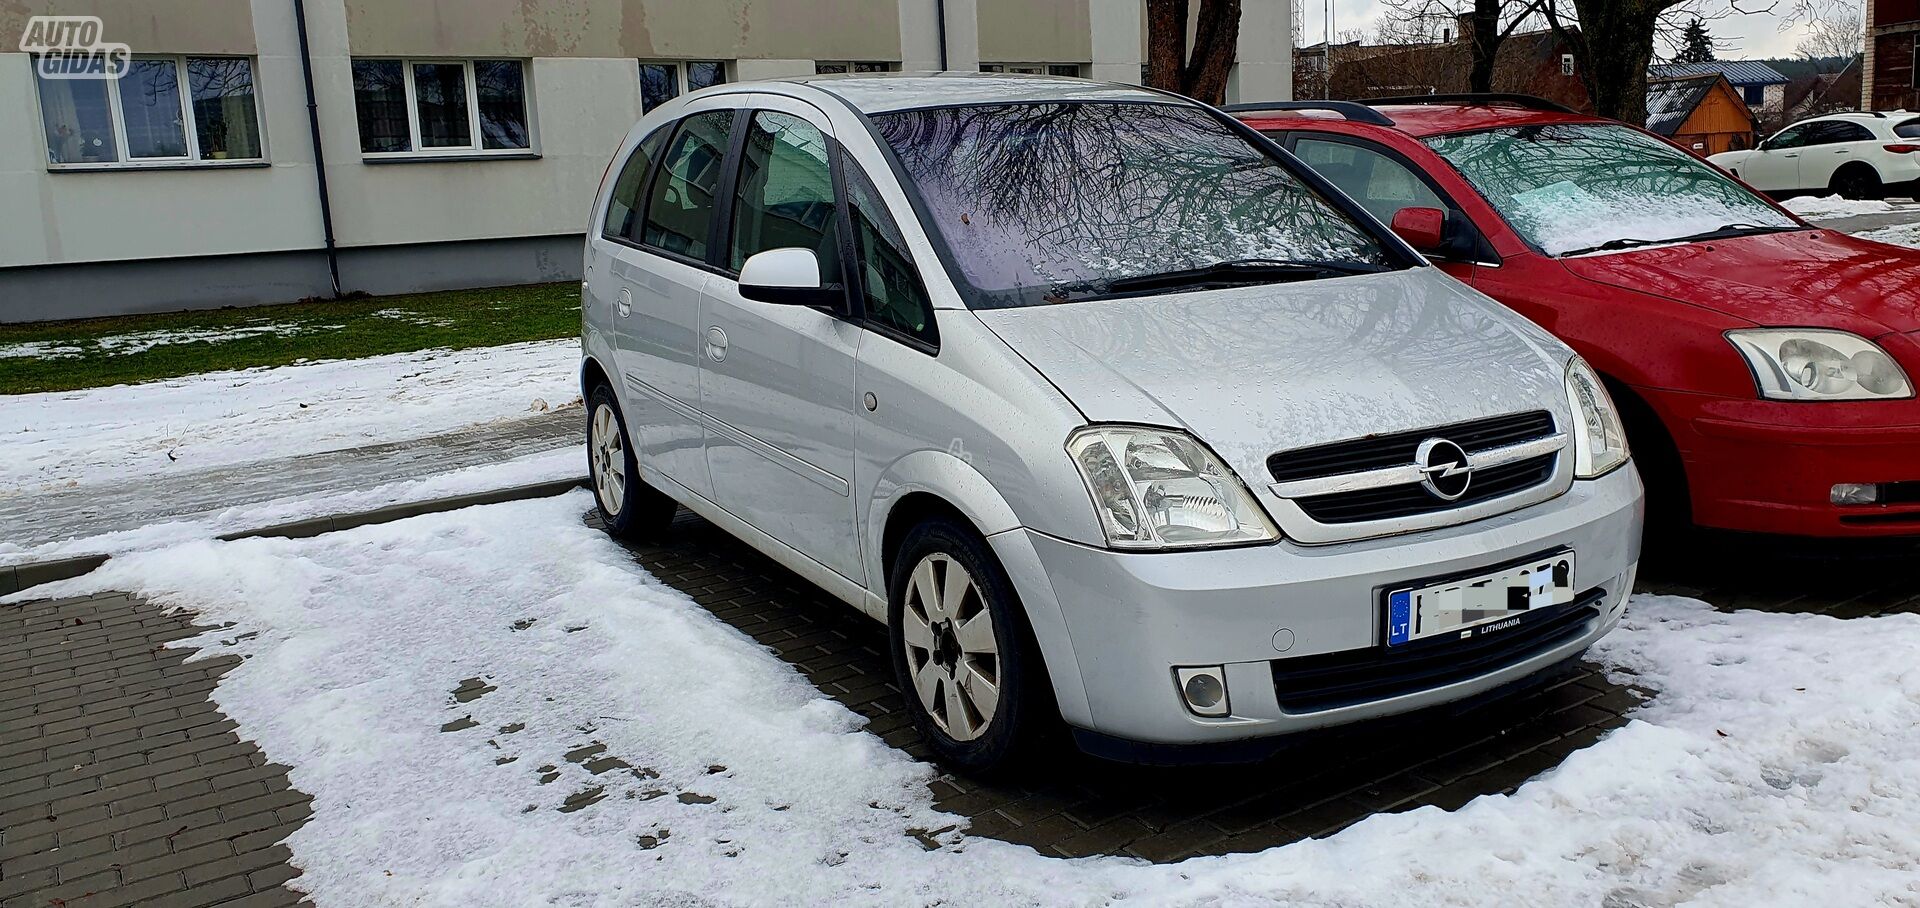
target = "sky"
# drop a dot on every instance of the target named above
(1741, 37)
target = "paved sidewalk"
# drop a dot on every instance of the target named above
(1905, 211)
(120, 781)
(93, 509)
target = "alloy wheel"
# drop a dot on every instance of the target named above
(609, 460)
(952, 654)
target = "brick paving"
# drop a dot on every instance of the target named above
(120, 781)
(90, 509)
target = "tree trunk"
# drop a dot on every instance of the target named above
(1215, 44)
(1613, 47)
(1485, 23)
(1166, 44)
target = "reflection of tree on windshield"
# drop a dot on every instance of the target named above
(1054, 198)
(1575, 187)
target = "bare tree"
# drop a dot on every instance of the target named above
(1488, 24)
(1832, 32)
(1200, 71)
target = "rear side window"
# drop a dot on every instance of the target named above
(680, 207)
(1379, 183)
(623, 208)
(1834, 132)
(785, 194)
(1908, 130)
(889, 283)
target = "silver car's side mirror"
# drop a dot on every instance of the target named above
(789, 277)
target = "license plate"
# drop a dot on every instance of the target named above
(1470, 606)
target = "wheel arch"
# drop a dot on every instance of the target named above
(928, 484)
(592, 375)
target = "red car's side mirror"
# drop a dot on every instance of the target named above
(1423, 228)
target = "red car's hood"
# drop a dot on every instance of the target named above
(1808, 278)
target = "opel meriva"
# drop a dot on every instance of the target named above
(1110, 409)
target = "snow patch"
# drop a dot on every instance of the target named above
(221, 418)
(1833, 206)
(1901, 235)
(1779, 764)
(142, 341)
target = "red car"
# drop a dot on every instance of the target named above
(1766, 366)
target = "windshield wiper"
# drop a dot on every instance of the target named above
(1721, 232)
(1238, 271)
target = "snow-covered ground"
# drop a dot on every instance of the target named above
(142, 341)
(1778, 764)
(1898, 235)
(1833, 206)
(121, 433)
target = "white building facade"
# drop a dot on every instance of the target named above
(460, 141)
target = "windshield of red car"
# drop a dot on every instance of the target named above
(1572, 188)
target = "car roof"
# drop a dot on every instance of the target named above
(885, 92)
(1423, 120)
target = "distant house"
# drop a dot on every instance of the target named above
(1892, 62)
(1704, 114)
(1533, 63)
(1762, 87)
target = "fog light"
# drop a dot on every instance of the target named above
(1204, 689)
(1856, 493)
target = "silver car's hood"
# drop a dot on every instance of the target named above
(1254, 370)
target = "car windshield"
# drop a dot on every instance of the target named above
(1053, 202)
(1571, 189)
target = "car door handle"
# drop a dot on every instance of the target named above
(1793, 155)
(716, 344)
(624, 302)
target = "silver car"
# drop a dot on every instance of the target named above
(1114, 413)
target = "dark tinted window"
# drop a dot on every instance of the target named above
(1791, 137)
(1833, 132)
(785, 194)
(1379, 183)
(1043, 203)
(1908, 130)
(680, 208)
(623, 207)
(380, 102)
(888, 281)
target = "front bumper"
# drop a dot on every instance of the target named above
(1134, 617)
(1770, 466)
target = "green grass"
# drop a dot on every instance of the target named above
(345, 329)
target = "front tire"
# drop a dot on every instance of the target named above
(628, 507)
(963, 655)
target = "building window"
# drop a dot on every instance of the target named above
(430, 107)
(831, 67)
(660, 82)
(149, 118)
(1071, 70)
(1755, 95)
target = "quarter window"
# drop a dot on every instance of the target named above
(889, 283)
(624, 204)
(441, 106)
(661, 82)
(680, 207)
(785, 194)
(1380, 184)
(1908, 130)
(149, 116)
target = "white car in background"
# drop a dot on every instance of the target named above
(1853, 155)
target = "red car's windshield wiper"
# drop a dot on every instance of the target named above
(1722, 232)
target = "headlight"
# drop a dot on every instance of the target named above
(1161, 489)
(1599, 440)
(1813, 364)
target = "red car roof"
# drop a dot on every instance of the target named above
(1422, 120)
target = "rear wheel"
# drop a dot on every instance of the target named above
(962, 653)
(628, 507)
(1857, 182)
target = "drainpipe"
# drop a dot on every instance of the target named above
(940, 13)
(319, 154)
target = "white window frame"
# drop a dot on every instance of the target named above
(1041, 69)
(887, 66)
(478, 147)
(681, 85)
(117, 111)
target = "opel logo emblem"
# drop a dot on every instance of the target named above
(1445, 468)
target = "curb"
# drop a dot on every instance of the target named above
(18, 577)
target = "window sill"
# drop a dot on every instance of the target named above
(450, 158)
(149, 168)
